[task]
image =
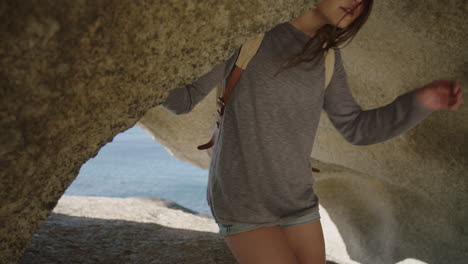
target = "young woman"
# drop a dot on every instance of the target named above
(260, 181)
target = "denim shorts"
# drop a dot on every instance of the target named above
(229, 229)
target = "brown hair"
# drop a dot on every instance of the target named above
(330, 37)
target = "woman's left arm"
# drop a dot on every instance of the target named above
(366, 127)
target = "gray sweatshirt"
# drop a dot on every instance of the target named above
(259, 171)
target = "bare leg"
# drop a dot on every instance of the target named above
(307, 242)
(264, 245)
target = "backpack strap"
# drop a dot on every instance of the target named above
(248, 50)
(219, 90)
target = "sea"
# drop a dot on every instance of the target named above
(133, 164)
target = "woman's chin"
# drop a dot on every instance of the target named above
(342, 25)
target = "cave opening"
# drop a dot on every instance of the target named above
(134, 164)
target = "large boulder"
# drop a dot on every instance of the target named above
(76, 73)
(405, 198)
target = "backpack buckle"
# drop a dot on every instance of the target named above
(220, 106)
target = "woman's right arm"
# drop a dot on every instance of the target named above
(183, 99)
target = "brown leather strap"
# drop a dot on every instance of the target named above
(220, 103)
(232, 82)
(209, 144)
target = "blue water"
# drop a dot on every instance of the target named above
(133, 164)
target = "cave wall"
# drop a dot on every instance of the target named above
(76, 73)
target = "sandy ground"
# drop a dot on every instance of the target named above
(130, 230)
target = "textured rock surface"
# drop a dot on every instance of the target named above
(76, 73)
(403, 198)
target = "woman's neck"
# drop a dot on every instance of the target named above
(309, 22)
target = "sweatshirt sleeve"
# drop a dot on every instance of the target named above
(366, 127)
(183, 99)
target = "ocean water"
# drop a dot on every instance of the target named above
(134, 164)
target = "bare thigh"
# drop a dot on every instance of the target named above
(307, 242)
(264, 245)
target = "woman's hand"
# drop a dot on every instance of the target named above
(441, 94)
